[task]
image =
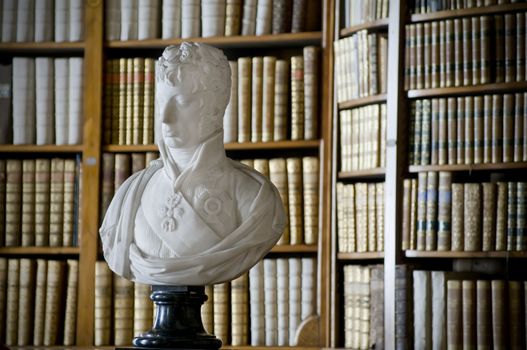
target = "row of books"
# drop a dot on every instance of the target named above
(363, 307)
(39, 202)
(362, 11)
(262, 307)
(363, 137)
(465, 51)
(427, 6)
(445, 216)
(469, 130)
(360, 217)
(38, 302)
(169, 19)
(361, 65)
(455, 311)
(42, 20)
(129, 101)
(43, 103)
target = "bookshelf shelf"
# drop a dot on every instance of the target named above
(475, 11)
(360, 256)
(39, 251)
(468, 90)
(468, 167)
(363, 101)
(247, 41)
(379, 24)
(40, 149)
(299, 248)
(464, 255)
(362, 174)
(42, 47)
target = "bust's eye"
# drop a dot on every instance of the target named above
(181, 100)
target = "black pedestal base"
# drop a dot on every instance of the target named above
(177, 324)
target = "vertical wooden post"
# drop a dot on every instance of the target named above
(89, 198)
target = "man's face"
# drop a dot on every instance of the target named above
(179, 111)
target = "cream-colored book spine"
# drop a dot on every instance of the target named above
(281, 97)
(282, 300)
(13, 207)
(361, 209)
(26, 301)
(230, 119)
(371, 212)
(294, 184)
(264, 14)
(472, 210)
(40, 302)
(123, 300)
(244, 98)
(278, 176)
(364, 302)
(13, 284)
(262, 166)
(248, 26)
(297, 98)
(270, 299)
(221, 311)
(148, 101)
(103, 304)
(69, 202)
(341, 221)
(268, 103)
(256, 99)
(501, 215)
(129, 104)
(137, 83)
(54, 297)
(379, 210)
(240, 310)
(42, 201)
(309, 288)
(171, 19)
(310, 174)
(295, 296)
(257, 307)
(213, 18)
(457, 217)
(207, 310)
(143, 309)
(233, 11)
(70, 314)
(311, 64)
(28, 204)
(351, 219)
(56, 206)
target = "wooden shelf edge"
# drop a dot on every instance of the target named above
(372, 25)
(362, 101)
(468, 90)
(464, 255)
(42, 46)
(239, 41)
(39, 250)
(474, 11)
(300, 248)
(249, 347)
(360, 256)
(358, 174)
(130, 148)
(467, 167)
(41, 149)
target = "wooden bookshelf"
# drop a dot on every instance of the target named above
(295, 249)
(227, 42)
(48, 251)
(464, 255)
(41, 149)
(375, 173)
(494, 88)
(360, 256)
(42, 48)
(362, 101)
(468, 167)
(467, 12)
(380, 24)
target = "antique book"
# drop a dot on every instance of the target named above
(485, 38)
(348, 304)
(23, 100)
(25, 21)
(508, 128)
(403, 317)
(519, 127)
(364, 308)
(129, 19)
(6, 86)
(418, 124)
(499, 312)
(256, 99)
(12, 301)
(521, 216)
(171, 19)
(297, 98)
(422, 309)
(487, 129)
(2, 201)
(107, 183)
(143, 309)
(27, 229)
(62, 92)
(76, 20)
(268, 95)
(516, 322)
(44, 100)
(230, 119)
(121, 112)
(438, 310)
(257, 304)
(510, 46)
(483, 314)
(112, 19)
(308, 288)
(295, 192)
(212, 18)
(282, 300)
(270, 302)
(221, 311)
(122, 169)
(123, 318)
(262, 166)
(281, 17)
(148, 19)
(248, 25)
(478, 130)
(421, 210)
(13, 199)
(298, 18)
(207, 310)
(233, 17)
(444, 212)
(295, 297)
(469, 313)
(148, 101)
(431, 211)
(264, 13)
(519, 43)
(488, 224)
(377, 307)
(458, 218)
(26, 301)
(68, 225)
(244, 98)
(70, 314)
(452, 131)
(379, 204)
(472, 220)
(413, 214)
(3, 296)
(281, 100)
(405, 241)
(278, 176)
(465, 130)
(54, 295)
(239, 310)
(8, 21)
(454, 314)
(62, 25)
(56, 206)
(497, 128)
(137, 84)
(371, 212)
(129, 118)
(40, 302)
(442, 133)
(512, 233)
(310, 175)
(361, 216)
(42, 201)
(103, 304)
(467, 50)
(425, 132)
(311, 72)
(501, 215)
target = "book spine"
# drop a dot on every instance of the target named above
(239, 310)
(281, 100)
(26, 301)
(56, 207)
(510, 47)
(282, 11)
(499, 47)
(458, 225)
(54, 313)
(62, 8)
(516, 322)
(443, 123)
(75, 100)
(3, 179)
(294, 181)
(23, 100)
(476, 50)
(221, 311)
(487, 129)
(270, 300)
(297, 98)
(431, 211)
(454, 315)
(468, 302)
(422, 310)
(13, 286)
(502, 216)
(103, 304)
(452, 122)
(256, 99)
(466, 144)
(519, 126)
(478, 130)
(489, 216)
(13, 207)
(483, 314)
(171, 19)
(230, 120)
(372, 215)
(42, 201)
(70, 319)
(268, 103)
(44, 108)
(405, 242)
(485, 40)
(244, 99)
(249, 17)
(439, 311)
(123, 318)
(298, 21)
(27, 229)
(512, 234)
(282, 290)
(295, 297)
(257, 300)
(69, 202)
(444, 219)
(232, 17)
(148, 101)
(498, 314)
(497, 128)
(264, 12)
(40, 302)
(521, 216)
(421, 210)
(379, 209)
(467, 51)
(310, 172)
(311, 73)
(472, 217)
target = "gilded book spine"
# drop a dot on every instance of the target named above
(148, 101)
(239, 310)
(13, 196)
(501, 216)
(40, 302)
(511, 216)
(256, 99)
(431, 211)
(310, 171)
(268, 103)
(472, 217)
(311, 64)
(379, 205)
(69, 202)
(278, 176)
(233, 11)
(138, 94)
(244, 99)
(129, 117)
(294, 182)
(421, 210)
(444, 221)
(123, 299)
(28, 203)
(103, 304)
(457, 217)
(26, 301)
(372, 222)
(70, 319)
(281, 91)
(297, 98)
(2, 204)
(488, 224)
(56, 207)
(54, 296)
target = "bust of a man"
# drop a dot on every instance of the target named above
(193, 216)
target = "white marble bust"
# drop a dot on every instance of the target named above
(194, 216)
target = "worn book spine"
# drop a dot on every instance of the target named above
(13, 207)
(295, 297)
(244, 98)
(281, 100)
(413, 214)
(281, 18)
(294, 182)
(40, 302)
(431, 211)
(248, 25)
(70, 318)
(379, 209)
(270, 302)
(148, 101)
(264, 12)
(341, 221)
(458, 225)
(442, 133)
(508, 127)
(103, 304)
(54, 296)
(512, 233)
(2, 201)
(444, 211)
(257, 303)
(516, 321)
(421, 210)
(422, 309)
(510, 47)
(44, 107)
(472, 217)
(143, 308)
(268, 96)
(239, 310)
(478, 130)
(361, 219)
(488, 225)
(122, 169)
(377, 307)
(311, 72)
(42, 201)
(137, 84)
(123, 318)
(221, 311)
(56, 207)
(68, 225)
(439, 316)
(27, 229)
(483, 315)
(487, 129)
(129, 117)
(434, 132)
(519, 126)
(364, 309)
(502, 215)
(467, 50)
(75, 99)
(308, 288)
(310, 176)
(405, 242)
(459, 36)
(403, 297)
(171, 19)
(371, 212)
(298, 20)
(297, 98)
(26, 301)
(521, 216)
(256, 99)
(233, 11)
(122, 87)
(419, 55)
(485, 49)
(278, 176)
(230, 119)
(23, 100)
(468, 302)
(465, 153)
(499, 312)
(454, 315)
(476, 50)
(351, 232)
(13, 284)
(452, 131)
(426, 132)
(282, 290)
(497, 128)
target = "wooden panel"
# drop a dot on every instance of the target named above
(468, 90)
(464, 255)
(363, 101)
(39, 48)
(362, 174)
(299, 248)
(39, 250)
(247, 41)
(379, 24)
(40, 149)
(474, 11)
(360, 256)
(468, 167)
